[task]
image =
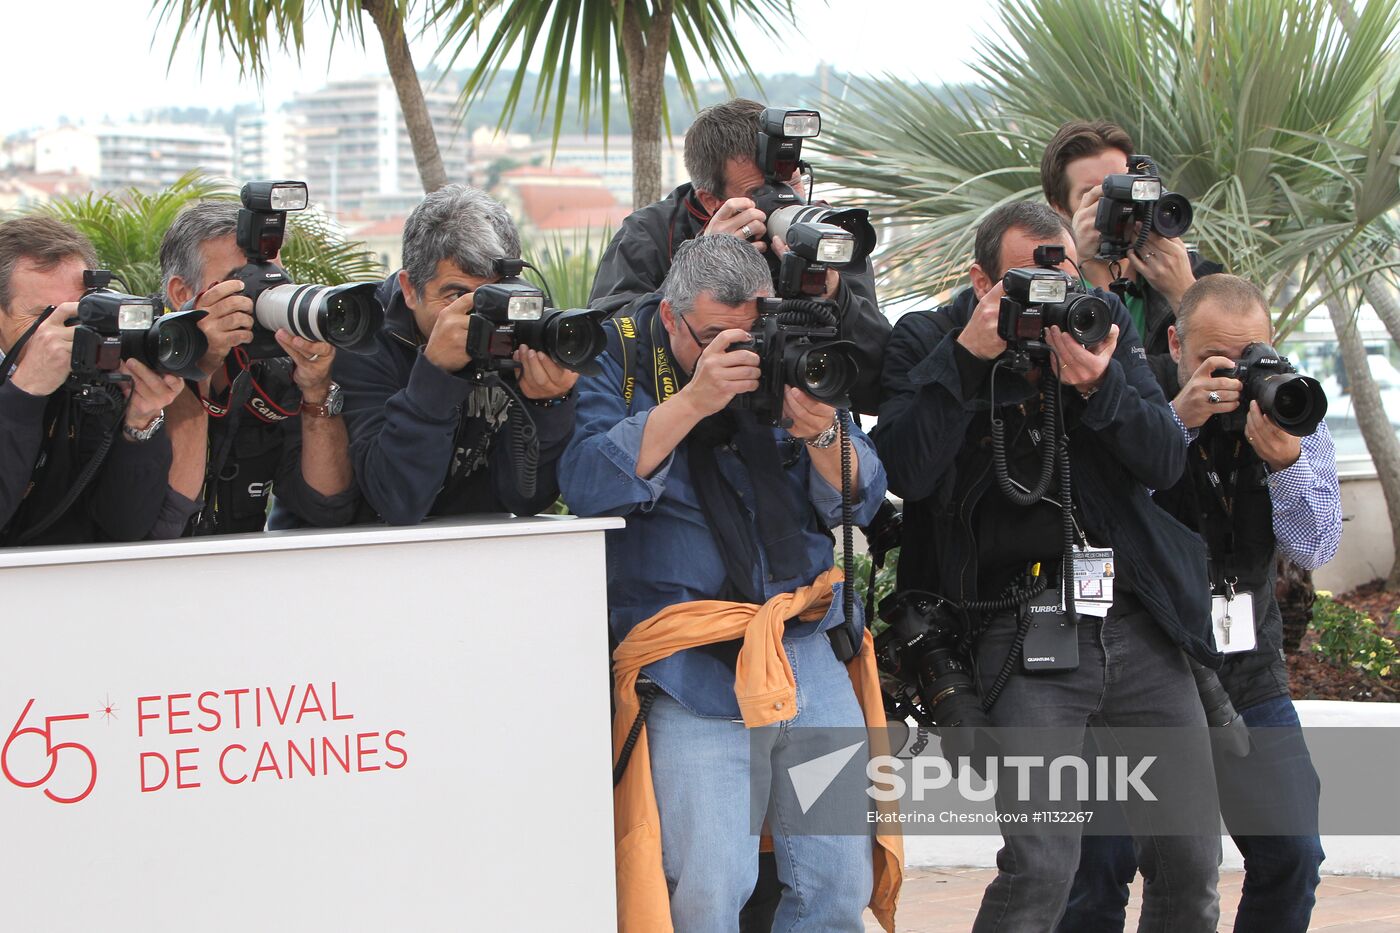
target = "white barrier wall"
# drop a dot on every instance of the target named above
(309, 730)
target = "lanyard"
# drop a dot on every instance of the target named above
(1221, 552)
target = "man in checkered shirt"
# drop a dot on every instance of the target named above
(1247, 493)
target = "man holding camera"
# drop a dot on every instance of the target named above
(251, 427)
(50, 437)
(727, 519)
(961, 431)
(1076, 160)
(720, 156)
(431, 433)
(1261, 476)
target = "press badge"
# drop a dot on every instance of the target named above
(1094, 572)
(1233, 620)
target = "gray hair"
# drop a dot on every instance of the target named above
(720, 133)
(1038, 220)
(1229, 292)
(729, 269)
(196, 225)
(461, 224)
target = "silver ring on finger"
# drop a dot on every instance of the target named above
(746, 231)
(313, 357)
(1214, 398)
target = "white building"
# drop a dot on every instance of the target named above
(140, 155)
(612, 163)
(268, 146)
(355, 152)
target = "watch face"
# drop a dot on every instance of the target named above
(335, 399)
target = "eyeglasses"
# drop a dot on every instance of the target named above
(694, 336)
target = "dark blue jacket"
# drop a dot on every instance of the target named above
(1122, 442)
(425, 442)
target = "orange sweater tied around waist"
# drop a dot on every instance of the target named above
(767, 694)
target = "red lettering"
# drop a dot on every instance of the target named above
(181, 767)
(389, 744)
(224, 774)
(173, 713)
(335, 706)
(306, 705)
(146, 787)
(267, 761)
(142, 715)
(294, 753)
(237, 705)
(328, 751)
(212, 712)
(361, 752)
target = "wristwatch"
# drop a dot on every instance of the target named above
(825, 439)
(335, 401)
(146, 433)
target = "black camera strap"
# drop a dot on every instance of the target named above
(1214, 492)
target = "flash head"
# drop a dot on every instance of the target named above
(799, 124)
(277, 196)
(135, 315)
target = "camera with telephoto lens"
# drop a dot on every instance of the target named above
(819, 236)
(112, 327)
(923, 650)
(345, 316)
(511, 312)
(797, 345)
(1138, 197)
(1294, 402)
(1043, 296)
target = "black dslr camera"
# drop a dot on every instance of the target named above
(112, 327)
(1292, 401)
(345, 316)
(512, 312)
(819, 236)
(1041, 297)
(1138, 197)
(797, 345)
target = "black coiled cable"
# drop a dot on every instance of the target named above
(848, 523)
(524, 442)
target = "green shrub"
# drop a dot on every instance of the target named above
(1348, 638)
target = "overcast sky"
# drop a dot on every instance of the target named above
(95, 59)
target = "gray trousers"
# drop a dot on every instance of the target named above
(1129, 675)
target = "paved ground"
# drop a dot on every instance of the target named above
(944, 900)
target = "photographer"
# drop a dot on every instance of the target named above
(720, 149)
(49, 438)
(251, 427)
(966, 540)
(1076, 160)
(726, 538)
(428, 434)
(1249, 489)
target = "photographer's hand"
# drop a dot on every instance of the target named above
(1086, 238)
(1166, 266)
(833, 278)
(149, 393)
(540, 377)
(1275, 446)
(809, 418)
(447, 344)
(311, 365)
(1193, 405)
(719, 376)
(979, 336)
(739, 217)
(228, 324)
(1080, 367)
(48, 357)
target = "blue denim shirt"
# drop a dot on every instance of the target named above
(666, 554)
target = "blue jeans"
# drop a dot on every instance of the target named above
(1280, 872)
(701, 771)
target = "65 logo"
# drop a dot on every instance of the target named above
(23, 757)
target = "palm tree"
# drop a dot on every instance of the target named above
(247, 32)
(643, 35)
(1277, 118)
(127, 229)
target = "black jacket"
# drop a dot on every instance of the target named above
(263, 457)
(1123, 441)
(639, 256)
(1159, 311)
(46, 442)
(1240, 545)
(424, 442)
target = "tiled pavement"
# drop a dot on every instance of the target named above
(944, 900)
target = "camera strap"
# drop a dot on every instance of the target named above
(256, 401)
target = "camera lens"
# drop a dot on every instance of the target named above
(345, 316)
(1086, 318)
(1294, 402)
(172, 346)
(345, 321)
(825, 372)
(573, 339)
(1173, 215)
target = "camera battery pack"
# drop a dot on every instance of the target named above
(1051, 644)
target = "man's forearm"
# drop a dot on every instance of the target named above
(827, 462)
(325, 455)
(666, 427)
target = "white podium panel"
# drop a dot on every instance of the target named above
(382, 729)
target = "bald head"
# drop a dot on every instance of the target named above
(1220, 315)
